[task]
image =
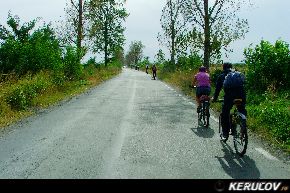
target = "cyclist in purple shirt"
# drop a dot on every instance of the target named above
(202, 81)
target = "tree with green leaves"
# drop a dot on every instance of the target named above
(119, 55)
(214, 25)
(17, 32)
(160, 57)
(73, 31)
(24, 48)
(107, 30)
(173, 26)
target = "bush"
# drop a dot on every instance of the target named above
(72, 66)
(276, 116)
(214, 75)
(193, 61)
(268, 65)
(21, 96)
(24, 52)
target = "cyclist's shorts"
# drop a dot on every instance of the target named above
(203, 90)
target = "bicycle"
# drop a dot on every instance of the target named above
(238, 128)
(204, 114)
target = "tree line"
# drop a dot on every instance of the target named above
(90, 25)
(192, 26)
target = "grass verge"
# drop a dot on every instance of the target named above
(21, 98)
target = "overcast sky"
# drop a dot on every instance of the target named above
(268, 20)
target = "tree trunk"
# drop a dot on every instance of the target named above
(80, 29)
(173, 46)
(106, 43)
(172, 36)
(206, 59)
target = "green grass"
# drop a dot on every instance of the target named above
(39, 91)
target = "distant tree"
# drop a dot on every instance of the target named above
(173, 26)
(160, 57)
(135, 52)
(107, 30)
(214, 25)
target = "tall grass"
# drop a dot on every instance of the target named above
(21, 97)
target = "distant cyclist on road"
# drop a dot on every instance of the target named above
(233, 84)
(202, 80)
(147, 68)
(154, 71)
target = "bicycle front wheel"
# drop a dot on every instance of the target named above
(240, 135)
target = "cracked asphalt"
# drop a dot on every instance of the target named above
(130, 127)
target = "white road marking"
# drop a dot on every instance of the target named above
(184, 98)
(266, 154)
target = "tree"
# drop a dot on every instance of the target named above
(160, 57)
(135, 53)
(119, 56)
(25, 48)
(106, 30)
(215, 24)
(73, 32)
(17, 32)
(173, 26)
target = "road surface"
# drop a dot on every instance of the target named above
(128, 127)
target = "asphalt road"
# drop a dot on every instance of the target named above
(128, 127)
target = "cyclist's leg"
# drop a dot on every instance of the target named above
(207, 91)
(225, 115)
(198, 95)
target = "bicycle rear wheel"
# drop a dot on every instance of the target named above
(240, 135)
(206, 114)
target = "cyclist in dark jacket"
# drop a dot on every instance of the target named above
(230, 95)
(154, 70)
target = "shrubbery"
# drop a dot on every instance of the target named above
(267, 77)
(214, 75)
(268, 65)
(275, 116)
(23, 51)
(193, 61)
(21, 95)
(72, 66)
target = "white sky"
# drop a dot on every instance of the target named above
(268, 20)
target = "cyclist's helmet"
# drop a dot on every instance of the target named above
(227, 65)
(202, 69)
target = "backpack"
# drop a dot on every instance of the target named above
(234, 80)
